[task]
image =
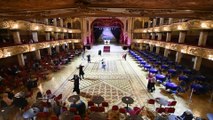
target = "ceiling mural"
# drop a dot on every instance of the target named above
(24, 9)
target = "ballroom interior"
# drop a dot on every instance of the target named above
(124, 46)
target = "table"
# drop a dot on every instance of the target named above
(160, 77)
(172, 71)
(74, 98)
(171, 85)
(66, 115)
(127, 101)
(153, 70)
(143, 62)
(147, 66)
(31, 113)
(210, 116)
(162, 101)
(97, 100)
(183, 77)
(187, 71)
(164, 66)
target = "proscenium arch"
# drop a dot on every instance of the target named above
(107, 22)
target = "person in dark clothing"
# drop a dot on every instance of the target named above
(80, 106)
(99, 52)
(187, 115)
(81, 71)
(89, 58)
(76, 84)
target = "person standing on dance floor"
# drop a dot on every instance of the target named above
(81, 71)
(76, 84)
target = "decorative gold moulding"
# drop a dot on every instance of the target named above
(1, 54)
(14, 50)
(186, 49)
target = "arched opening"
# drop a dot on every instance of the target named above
(107, 31)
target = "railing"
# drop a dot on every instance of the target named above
(183, 48)
(24, 48)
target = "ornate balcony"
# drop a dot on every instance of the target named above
(24, 48)
(183, 26)
(25, 25)
(186, 49)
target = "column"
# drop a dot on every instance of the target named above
(35, 36)
(84, 32)
(54, 21)
(149, 24)
(178, 57)
(46, 21)
(151, 48)
(38, 54)
(159, 36)
(141, 46)
(57, 47)
(157, 50)
(168, 36)
(197, 63)
(21, 60)
(153, 36)
(49, 49)
(61, 22)
(182, 36)
(129, 30)
(161, 21)
(166, 52)
(168, 39)
(16, 37)
(56, 35)
(154, 22)
(73, 45)
(170, 21)
(47, 35)
(202, 38)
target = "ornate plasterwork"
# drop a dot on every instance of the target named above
(18, 49)
(186, 49)
(183, 26)
(25, 25)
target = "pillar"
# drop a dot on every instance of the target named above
(168, 36)
(61, 22)
(38, 54)
(129, 30)
(154, 22)
(197, 63)
(149, 24)
(16, 37)
(141, 46)
(54, 21)
(46, 21)
(157, 50)
(49, 49)
(21, 60)
(170, 20)
(166, 52)
(153, 36)
(73, 45)
(47, 35)
(182, 36)
(159, 36)
(151, 48)
(35, 36)
(62, 35)
(202, 38)
(178, 57)
(56, 36)
(57, 49)
(161, 21)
